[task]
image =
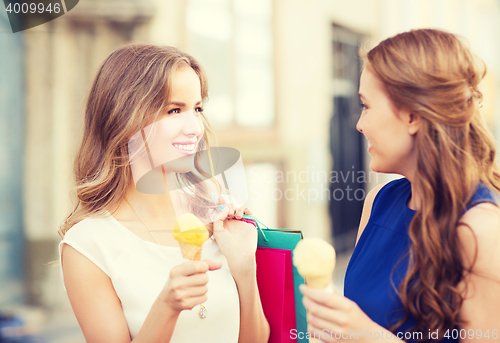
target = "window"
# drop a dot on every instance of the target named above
(232, 39)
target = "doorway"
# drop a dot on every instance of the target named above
(346, 143)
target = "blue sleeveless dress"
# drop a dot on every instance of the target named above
(384, 242)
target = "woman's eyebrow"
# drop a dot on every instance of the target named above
(361, 96)
(181, 104)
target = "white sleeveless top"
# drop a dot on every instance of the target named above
(139, 270)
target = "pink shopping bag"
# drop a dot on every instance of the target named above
(275, 282)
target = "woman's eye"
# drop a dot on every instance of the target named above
(363, 106)
(199, 109)
(174, 110)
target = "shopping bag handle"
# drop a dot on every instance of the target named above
(258, 225)
(257, 222)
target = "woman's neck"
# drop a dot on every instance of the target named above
(415, 201)
(149, 205)
(151, 217)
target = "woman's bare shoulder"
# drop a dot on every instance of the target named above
(483, 219)
(367, 208)
(93, 299)
(479, 229)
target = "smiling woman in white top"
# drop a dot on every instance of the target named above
(123, 271)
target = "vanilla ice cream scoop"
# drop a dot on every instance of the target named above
(314, 259)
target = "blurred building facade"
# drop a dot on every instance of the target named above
(283, 78)
(12, 137)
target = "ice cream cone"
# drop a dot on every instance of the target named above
(190, 232)
(191, 251)
(315, 261)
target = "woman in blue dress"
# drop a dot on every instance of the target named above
(426, 264)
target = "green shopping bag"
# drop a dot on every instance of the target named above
(285, 239)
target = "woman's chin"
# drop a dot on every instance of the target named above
(377, 168)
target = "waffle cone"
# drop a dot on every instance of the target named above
(191, 251)
(318, 282)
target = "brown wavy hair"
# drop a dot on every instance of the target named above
(130, 91)
(433, 74)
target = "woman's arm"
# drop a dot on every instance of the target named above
(98, 308)
(93, 298)
(481, 305)
(238, 242)
(253, 324)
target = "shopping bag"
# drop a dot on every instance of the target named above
(281, 240)
(275, 281)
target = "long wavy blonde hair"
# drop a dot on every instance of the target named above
(433, 74)
(130, 91)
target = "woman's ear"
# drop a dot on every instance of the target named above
(412, 121)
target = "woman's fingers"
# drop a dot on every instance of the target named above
(219, 221)
(197, 276)
(213, 265)
(333, 312)
(184, 288)
(194, 292)
(318, 309)
(240, 211)
(192, 297)
(189, 268)
(333, 300)
(194, 267)
(188, 284)
(195, 280)
(323, 317)
(192, 302)
(317, 333)
(314, 331)
(220, 216)
(331, 324)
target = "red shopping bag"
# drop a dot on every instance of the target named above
(276, 288)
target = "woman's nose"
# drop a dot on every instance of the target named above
(192, 123)
(358, 124)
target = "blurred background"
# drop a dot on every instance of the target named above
(283, 82)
